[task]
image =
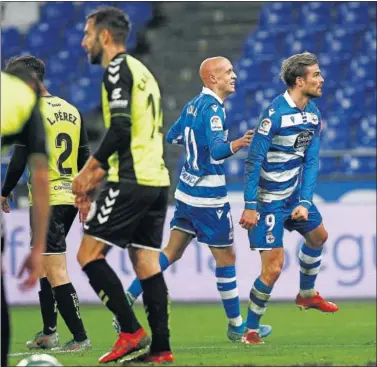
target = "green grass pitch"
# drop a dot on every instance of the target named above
(198, 335)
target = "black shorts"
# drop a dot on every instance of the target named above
(128, 214)
(61, 219)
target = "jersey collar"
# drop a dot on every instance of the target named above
(289, 100)
(206, 90)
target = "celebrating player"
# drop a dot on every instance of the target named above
(130, 210)
(281, 173)
(202, 206)
(68, 152)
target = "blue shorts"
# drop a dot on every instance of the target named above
(211, 226)
(274, 217)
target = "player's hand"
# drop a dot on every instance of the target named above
(249, 219)
(5, 203)
(33, 266)
(248, 137)
(300, 213)
(83, 203)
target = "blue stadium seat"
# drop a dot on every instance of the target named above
(73, 37)
(62, 64)
(328, 165)
(352, 165)
(362, 69)
(59, 12)
(335, 138)
(302, 40)
(333, 68)
(277, 15)
(368, 45)
(340, 41)
(264, 41)
(139, 12)
(11, 42)
(353, 14)
(42, 39)
(315, 15)
(366, 133)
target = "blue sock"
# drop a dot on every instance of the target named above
(135, 287)
(259, 296)
(227, 287)
(310, 262)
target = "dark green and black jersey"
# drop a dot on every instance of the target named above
(133, 145)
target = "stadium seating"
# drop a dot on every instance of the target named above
(56, 38)
(344, 38)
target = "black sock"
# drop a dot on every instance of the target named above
(109, 288)
(48, 307)
(156, 304)
(68, 306)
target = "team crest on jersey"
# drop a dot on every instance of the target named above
(314, 118)
(265, 127)
(303, 140)
(92, 212)
(270, 238)
(216, 123)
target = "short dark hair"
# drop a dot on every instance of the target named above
(30, 63)
(114, 20)
(295, 66)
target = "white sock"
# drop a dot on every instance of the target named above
(306, 293)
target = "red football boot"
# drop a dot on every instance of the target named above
(316, 302)
(252, 337)
(130, 345)
(156, 358)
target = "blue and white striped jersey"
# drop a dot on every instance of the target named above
(284, 153)
(203, 130)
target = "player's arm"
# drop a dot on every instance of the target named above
(117, 137)
(310, 171)
(175, 134)
(15, 170)
(257, 154)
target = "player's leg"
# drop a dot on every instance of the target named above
(144, 254)
(111, 221)
(310, 256)
(267, 237)
(173, 251)
(48, 337)
(55, 266)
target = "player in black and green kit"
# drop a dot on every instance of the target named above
(130, 210)
(68, 151)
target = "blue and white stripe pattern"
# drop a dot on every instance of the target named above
(259, 297)
(310, 263)
(203, 130)
(286, 140)
(227, 287)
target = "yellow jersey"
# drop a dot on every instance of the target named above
(131, 94)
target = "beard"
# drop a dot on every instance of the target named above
(95, 57)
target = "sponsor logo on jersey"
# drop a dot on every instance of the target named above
(303, 140)
(116, 93)
(216, 123)
(214, 107)
(188, 178)
(271, 111)
(265, 127)
(118, 104)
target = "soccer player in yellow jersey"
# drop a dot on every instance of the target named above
(21, 122)
(68, 151)
(130, 210)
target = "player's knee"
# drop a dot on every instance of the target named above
(57, 275)
(319, 240)
(271, 272)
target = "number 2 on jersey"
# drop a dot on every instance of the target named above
(156, 114)
(63, 137)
